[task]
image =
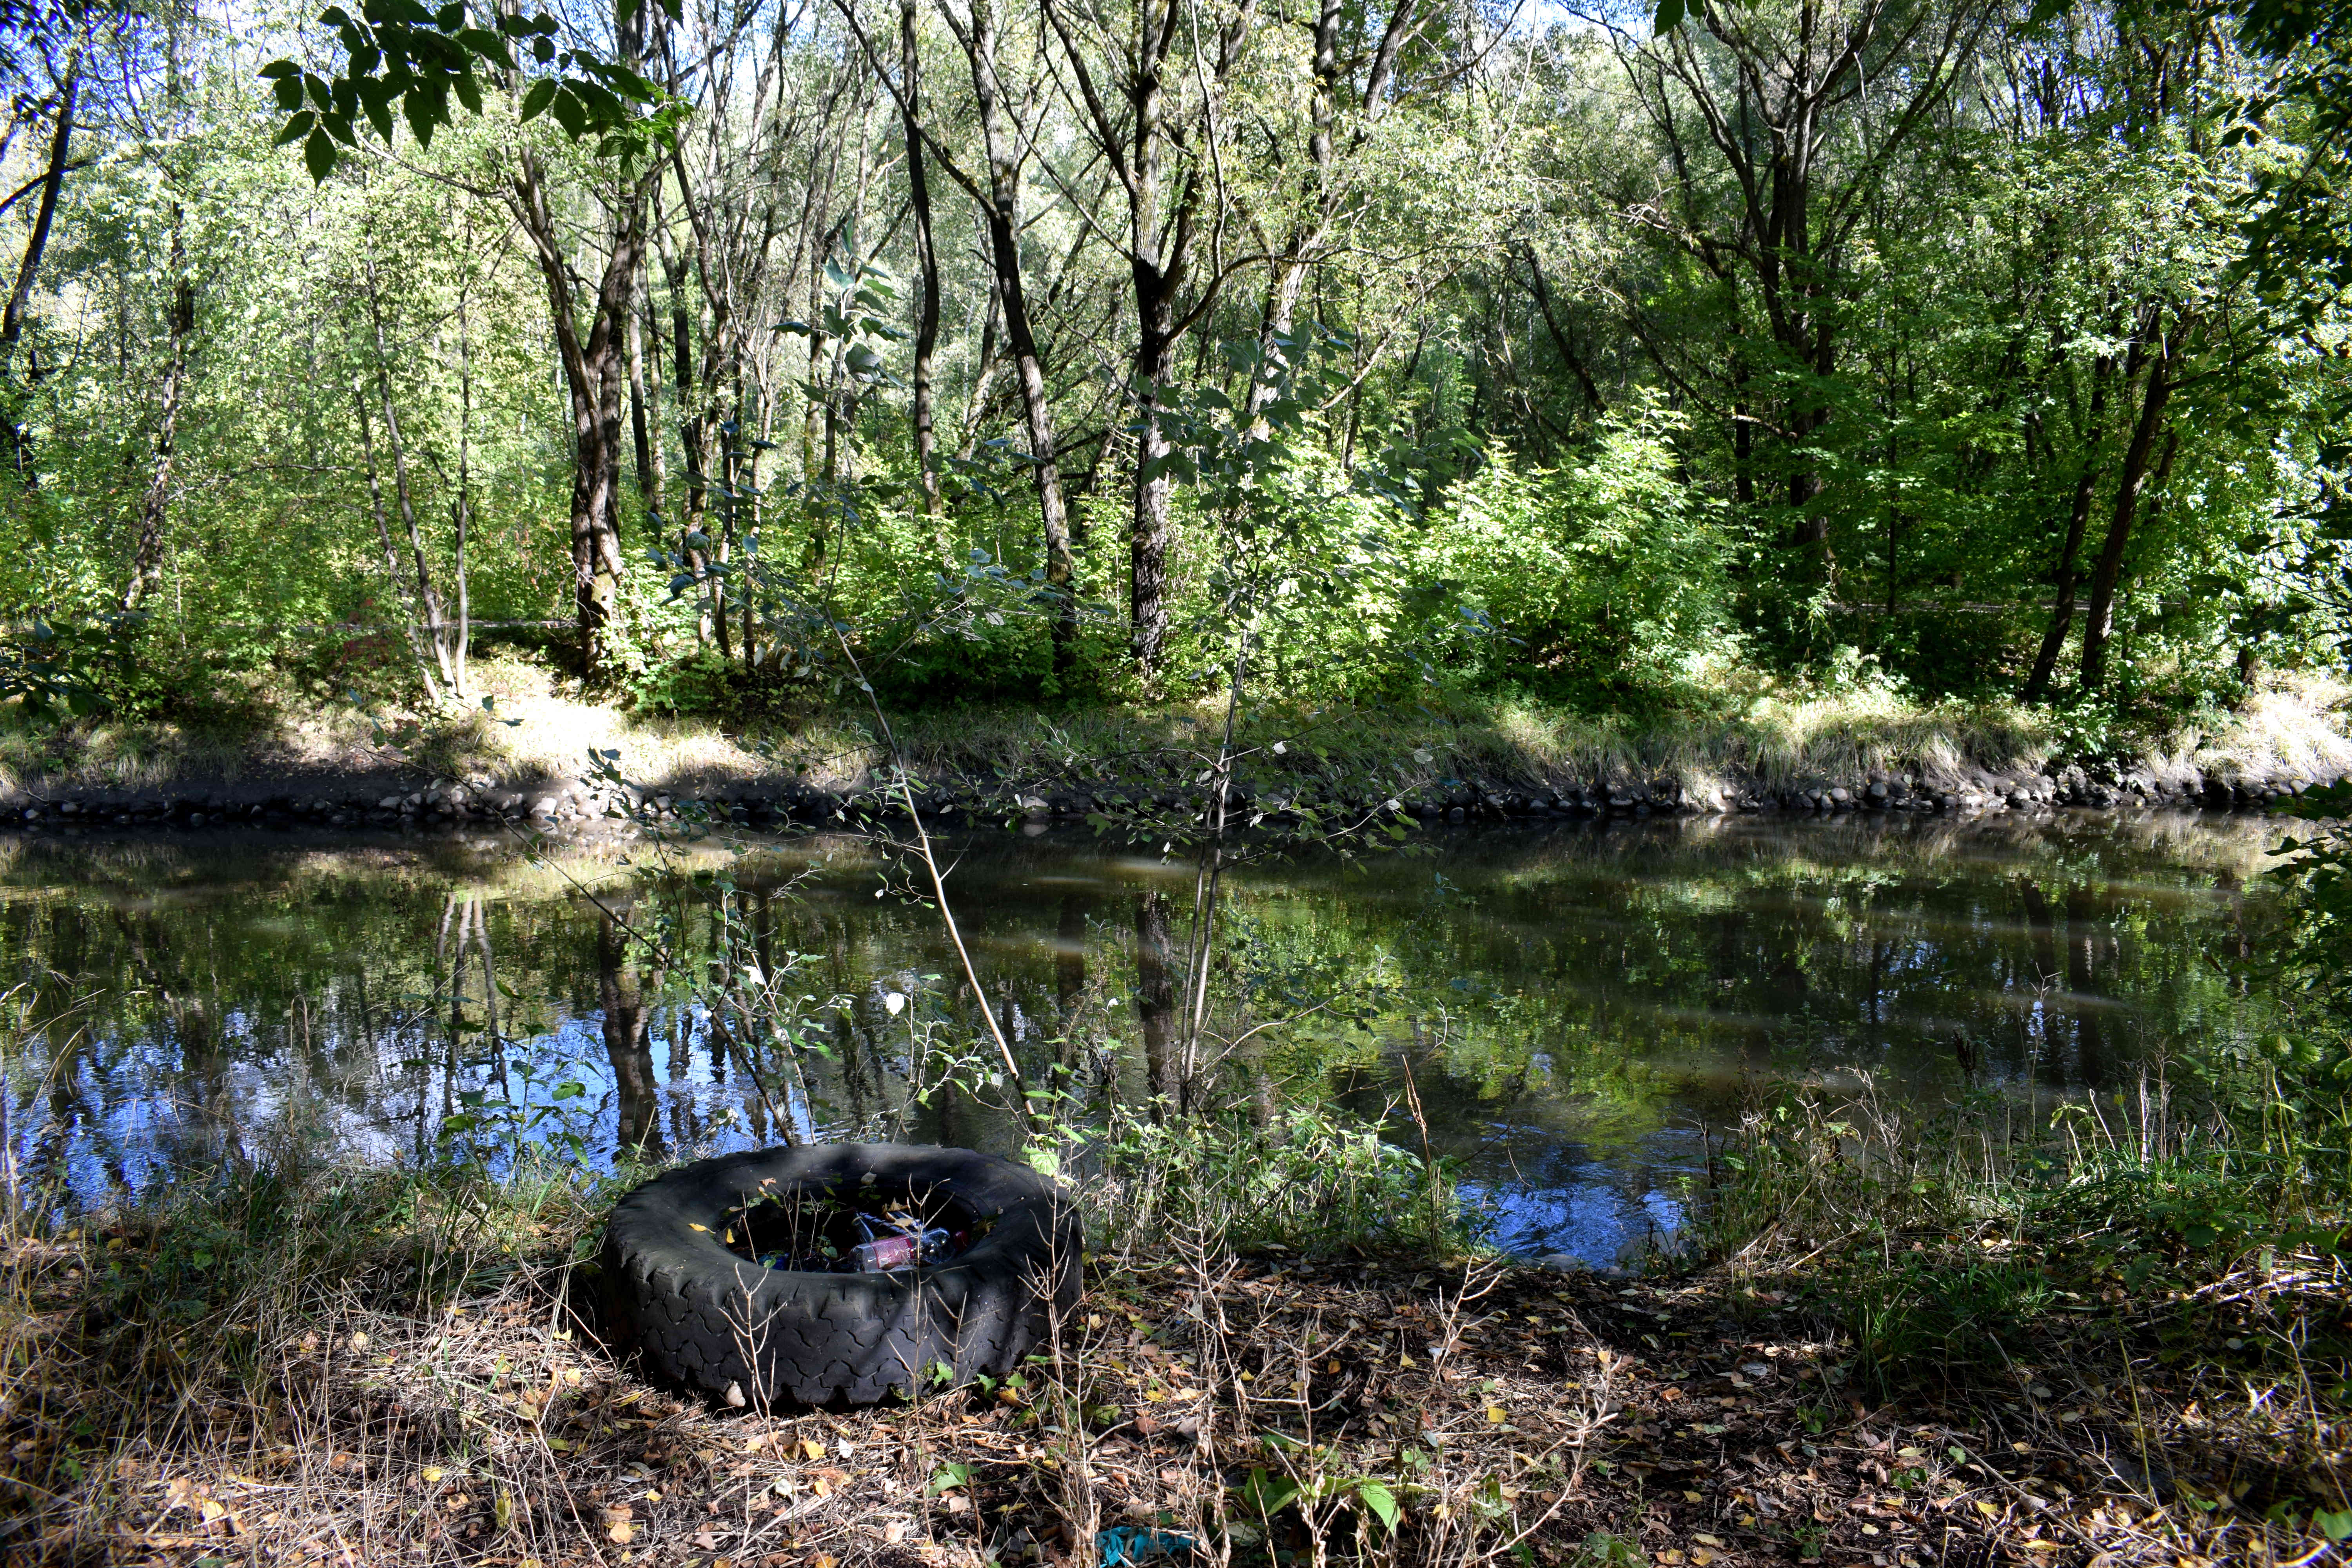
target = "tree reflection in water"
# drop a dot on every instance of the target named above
(1571, 998)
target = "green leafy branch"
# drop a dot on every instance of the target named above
(398, 54)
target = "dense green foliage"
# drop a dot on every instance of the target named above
(1800, 334)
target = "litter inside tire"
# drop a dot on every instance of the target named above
(702, 1312)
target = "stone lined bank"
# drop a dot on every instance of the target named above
(582, 808)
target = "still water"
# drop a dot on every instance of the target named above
(1573, 1004)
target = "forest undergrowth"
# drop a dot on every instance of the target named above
(366, 1366)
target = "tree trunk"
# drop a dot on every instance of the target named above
(1156, 260)
(461, 521)
(984, 375)
(2078, 516)
(428, 598)
(1003, 214)
(1569, 356)
(12, 318)
(658, 496)
(2099, 617)
(147, 551)
(1155, 356)
(593, 373)
(689, 420)
(393, 579)
(640, 432)
(927, 321)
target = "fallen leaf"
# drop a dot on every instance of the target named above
(620, 1533)
(813, 1448)
(1495, 1414)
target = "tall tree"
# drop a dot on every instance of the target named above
(1138, 130)
(1777, 123)
(50, 184)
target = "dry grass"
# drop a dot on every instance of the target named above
(409, 1385)
(2125, 1285)
(541, 729)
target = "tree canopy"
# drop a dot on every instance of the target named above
(1025, 352)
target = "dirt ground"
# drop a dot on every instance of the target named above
(1268, 1410)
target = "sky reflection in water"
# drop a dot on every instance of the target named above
(1574, 1002)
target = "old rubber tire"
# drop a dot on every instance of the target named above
(701, 1314)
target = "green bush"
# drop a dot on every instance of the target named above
(1606, 580)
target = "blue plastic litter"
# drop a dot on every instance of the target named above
(1127, 1544)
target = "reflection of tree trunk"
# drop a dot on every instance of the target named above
(184, 1003)
(2082, 981)
(682, 1117)
(1155, 991)
(449, 973)
(2045, 932)
(627, 1043)
(1070, 975)
(855, 1082)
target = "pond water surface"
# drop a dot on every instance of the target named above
(1572, 1003)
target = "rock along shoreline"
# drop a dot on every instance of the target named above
(580, 808)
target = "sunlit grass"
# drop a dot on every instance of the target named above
(1771, 735)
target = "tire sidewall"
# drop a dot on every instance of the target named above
(701, 1314)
